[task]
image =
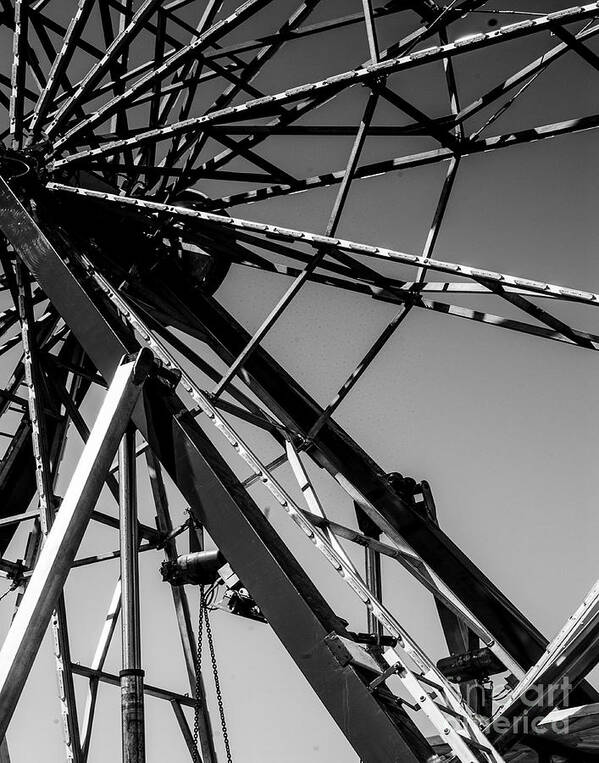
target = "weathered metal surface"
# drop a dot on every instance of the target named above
(132, 675)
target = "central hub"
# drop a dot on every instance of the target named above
(25, 166)
(15, 164)
(129, 242)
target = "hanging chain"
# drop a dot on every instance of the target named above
(198, 687)
(204, 616)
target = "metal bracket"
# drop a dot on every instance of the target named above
(349, 652)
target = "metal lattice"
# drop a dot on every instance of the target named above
(153, 148)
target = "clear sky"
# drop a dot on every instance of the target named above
(503, 425)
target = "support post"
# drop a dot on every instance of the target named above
(372, 567)
(375, 585)
(131, 675)
(43, 592)
(188, 638)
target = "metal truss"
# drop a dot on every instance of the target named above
(130, 135)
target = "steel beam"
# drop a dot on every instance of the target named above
(223, 224)
(131, 675)
(334, 449)
(43, 592)
(151, 691)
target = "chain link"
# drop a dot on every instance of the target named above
(204, 616)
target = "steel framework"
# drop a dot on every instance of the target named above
(132, 133)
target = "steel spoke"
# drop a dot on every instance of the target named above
(335, 83)
(44, 482)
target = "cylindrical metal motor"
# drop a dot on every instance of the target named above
(198, 568)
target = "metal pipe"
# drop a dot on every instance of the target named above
(374, 581)
(131, 675)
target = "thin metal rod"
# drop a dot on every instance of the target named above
(191, 69)
(373, 44)
(131, 675)
(331, 228)
(400, 163)
(17, 518)
(108, 629)
(312, 29)
(79, 423)
(356, 374)
(44, 484)
(151, 691)
(275, 464)
(109, 555)
(440, 133)
(352, 164)
(574, 44)
(530, 308)
(397, 294)
(181, 604)
(314, 503)
(269, 322)
(185, 731)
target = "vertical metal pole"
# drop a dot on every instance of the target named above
(372, 567)
(132, 690)
(374, 581)
(188, 638)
